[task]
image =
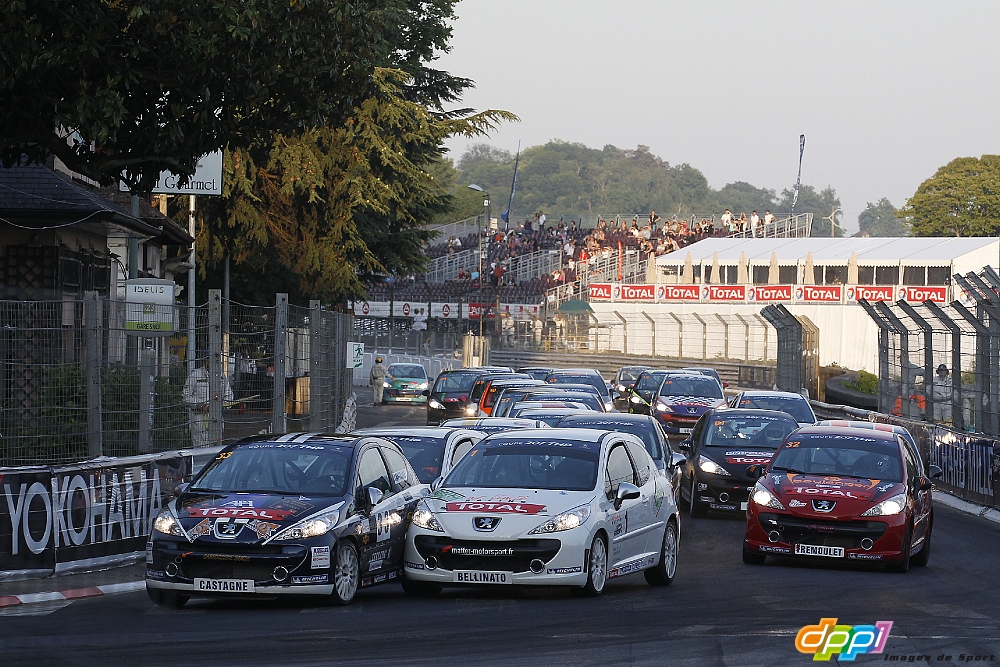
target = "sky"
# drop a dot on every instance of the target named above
(885, 92)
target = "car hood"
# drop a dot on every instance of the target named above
(811, 495)
(408, 382)
(451, 397)
(736, 460)
(244, 517)
(693, 406)
(519, 510)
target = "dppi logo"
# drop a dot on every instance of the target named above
(846, 641)
(618, 292)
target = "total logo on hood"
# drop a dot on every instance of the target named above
(241, 516)
(828, 486)
(748, 457)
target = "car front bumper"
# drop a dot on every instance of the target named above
(726, 494)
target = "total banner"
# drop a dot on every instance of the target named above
(55, 519)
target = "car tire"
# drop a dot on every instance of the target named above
(922, 556)
(420, 589)
(751, 558)
(346, 574)
(167, 598)
(903, 566)
(597, 569)
(662, 574)
(698, 509)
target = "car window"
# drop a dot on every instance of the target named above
(372, 471)
(402, 476)
(755, 431)
(856, 456)
(409, 371)
(527, 465)
(619, 469)
(424, 453)
(641, 461)
(699, 429)
(913, 469)
(461, 450)
(452, 382)
(279, 467)
(648, 382)
(796, 406)
(701, 386)
(593, 380)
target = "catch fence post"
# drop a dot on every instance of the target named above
(280, 353)
(92, 336)
(146, 398)
(216, 388)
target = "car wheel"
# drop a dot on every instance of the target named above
(421, 589)
(920, 559)
(751, 558)
(698, 509)
(346, 574)
(903, 565)
(597, 569)
(662, 574)
(167, 598)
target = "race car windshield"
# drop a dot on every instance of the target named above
(755, 432)
(630, 374)
(704, 387)
(424, 454)
(795, 406)
(526, 467)
(841, 455)
(649, 383)
(590, 400)
(453, 382)
(276, 467)
(407, 371)
(644, 432)
(537, 374)
(592, 380)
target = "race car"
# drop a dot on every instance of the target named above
(548, 507)
(624, 379)
(451, 394)
(706, 371)
(552, 415)
(796, 405)
(643, 390)
(495, 388)
(491, 425)
(682, 398)
(537, 372)
(841, 493)
(724, 442)
(405, 383)
(431, 450)
(296, 514)
(584, 376)
(511, 395)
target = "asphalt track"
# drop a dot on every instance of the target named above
(718, 612)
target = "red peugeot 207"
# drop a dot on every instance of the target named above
(842, 493)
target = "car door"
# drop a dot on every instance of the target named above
(691, 465)
(921, 515)
(378, 520)
(408, 491)
(645, 479)
(621, 522)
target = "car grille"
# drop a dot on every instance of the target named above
(522, 553)
(846, 534)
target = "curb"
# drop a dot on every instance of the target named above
(71, 594)
(948, 500)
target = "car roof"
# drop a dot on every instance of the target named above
(416, 431)
(686, 373)
(506, 382)
(302, 437)
(769, 392)
(566, 386)
(575, 371)
(725, 412)
(645, 368)
(584, 434)
(491, 421)
(405, 363)
(613, 417)
(873, 426)
(844, 430)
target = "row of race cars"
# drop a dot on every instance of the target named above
(540, 477)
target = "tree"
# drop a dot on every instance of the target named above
(127, 88)
(340, 206)
(741, 197)
(820, 204)
(880, 219)
(961, 199)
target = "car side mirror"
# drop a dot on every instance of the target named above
(425, 392)
(935, 471)
(180, 489)
(677, 460)
(615, 395)
(374, 496)
(725, 385)
(924, 484)
(685, 445)
(436, 484)
(756, 471)
(626, 491)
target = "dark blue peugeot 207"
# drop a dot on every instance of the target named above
(298, 514)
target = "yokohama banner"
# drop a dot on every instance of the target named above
(79, 516)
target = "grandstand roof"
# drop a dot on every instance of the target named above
(835, 251)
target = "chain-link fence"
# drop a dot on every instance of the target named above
(77, 380)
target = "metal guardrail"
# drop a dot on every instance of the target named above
(461, 227)
(795, 227)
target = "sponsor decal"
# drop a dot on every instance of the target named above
(156, 574)
(856, 556)
(872, 293)
(224, 585)
(638, 292)
(629, 568)
(311, 579)
(497, 499)
(238, 513)
(477, 551)
(796, 503)
(238, 503)
(497, 508)
(921, 294)
(481, 577)
(445, 494)
(564, 570)
(748, 458)
(819, 293)
(726, 292)
(262, 528)
(204, 527)
(847, 642)
(320, 559)
(149, 552)
(679, 292)
(600, 291)
(838, 493)
(771, 293)
(414, 566)
(768, 549)
(232, 558)
(716, 506)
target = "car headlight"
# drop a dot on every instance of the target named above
(435, 404)
(167, 524)
(621, 388)
(422, 385)
(386, 384)
(312, 526)
(711, 467)
(888, 507)
(765, 498)
(635, 399)
(566, 521)
(609, 406)
(471, 410)
(663, 407)
(424, 517)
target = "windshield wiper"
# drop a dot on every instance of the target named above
(791, 470)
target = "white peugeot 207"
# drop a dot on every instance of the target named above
(546, 507)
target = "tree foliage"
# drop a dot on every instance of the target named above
(881, 219)
(572, 180)
(961, 199)
(821, 204)
(340, 206)
(138, 86)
